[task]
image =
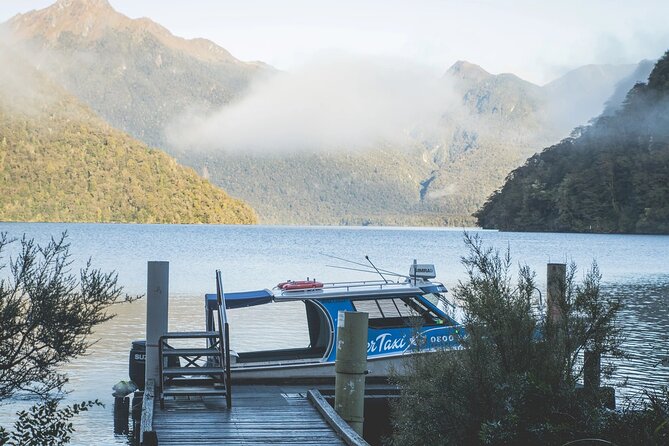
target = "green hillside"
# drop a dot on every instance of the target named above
(612, 176)
(59, 162)
(336, 189)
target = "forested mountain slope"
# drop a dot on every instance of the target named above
(60, 162)
(612, 176)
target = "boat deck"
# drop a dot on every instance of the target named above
(260, 415)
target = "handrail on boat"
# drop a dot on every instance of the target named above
(224, 335)
(371, 284)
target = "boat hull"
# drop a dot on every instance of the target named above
(379, 368)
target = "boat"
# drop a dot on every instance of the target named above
(407, 316)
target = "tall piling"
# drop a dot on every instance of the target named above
(157, 303)
(121, 411)
(592, 369)
(556, 280)
(351, 367)
(557, 287)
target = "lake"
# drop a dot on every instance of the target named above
(635, 267)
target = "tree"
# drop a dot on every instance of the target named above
(47, 315)
(515, 381)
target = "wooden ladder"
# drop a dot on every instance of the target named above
(202, 369)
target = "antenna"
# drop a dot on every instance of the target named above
(363, 265)
(365, 270)
(370, 262)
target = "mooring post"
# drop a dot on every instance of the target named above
(556, 290)
(157, 294)
(351, 367)
(557, 287)
(592, 369)
(121, 411)
(136, 412)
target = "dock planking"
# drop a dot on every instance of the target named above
(260, 415)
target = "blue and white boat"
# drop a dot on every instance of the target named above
(407, 316)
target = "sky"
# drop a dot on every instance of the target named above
(536, 40)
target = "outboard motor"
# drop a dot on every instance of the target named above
(136, 363)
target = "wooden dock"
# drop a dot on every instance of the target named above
(260, 415)
(188, 398)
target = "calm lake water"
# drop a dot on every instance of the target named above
(252, 257)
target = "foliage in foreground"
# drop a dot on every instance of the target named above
(44, 424)
(643, 420)
(515, 381)
(47, 316)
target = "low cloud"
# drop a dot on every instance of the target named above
(337, 102)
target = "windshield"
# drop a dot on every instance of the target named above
(398, 312)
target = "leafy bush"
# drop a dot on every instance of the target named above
(516, 380)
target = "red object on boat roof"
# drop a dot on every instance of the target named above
(299, 285)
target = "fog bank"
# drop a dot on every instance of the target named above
(335, 102)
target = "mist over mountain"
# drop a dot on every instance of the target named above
(569, 107)
(60, 162)
(639, 75)
(336, 102)
(132, 72)
(434, 165)
(612, 176)
(343, 139)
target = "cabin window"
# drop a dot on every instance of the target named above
(370, 307)
(397, 312)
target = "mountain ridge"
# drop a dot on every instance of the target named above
(142, 85)
(91, 18)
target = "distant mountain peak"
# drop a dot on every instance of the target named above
(83, 18)
(83, 3)
(467, 70)
(91, 19)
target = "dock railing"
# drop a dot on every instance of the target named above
(224, 333)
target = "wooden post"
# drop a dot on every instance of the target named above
(592, 368)
(556, 285)
(136, 411)
(157, 300)
(351, 367)
(121, 411)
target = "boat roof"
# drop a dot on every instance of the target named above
(241, 299)
(337, 290)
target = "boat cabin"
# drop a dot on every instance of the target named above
(404, 316)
